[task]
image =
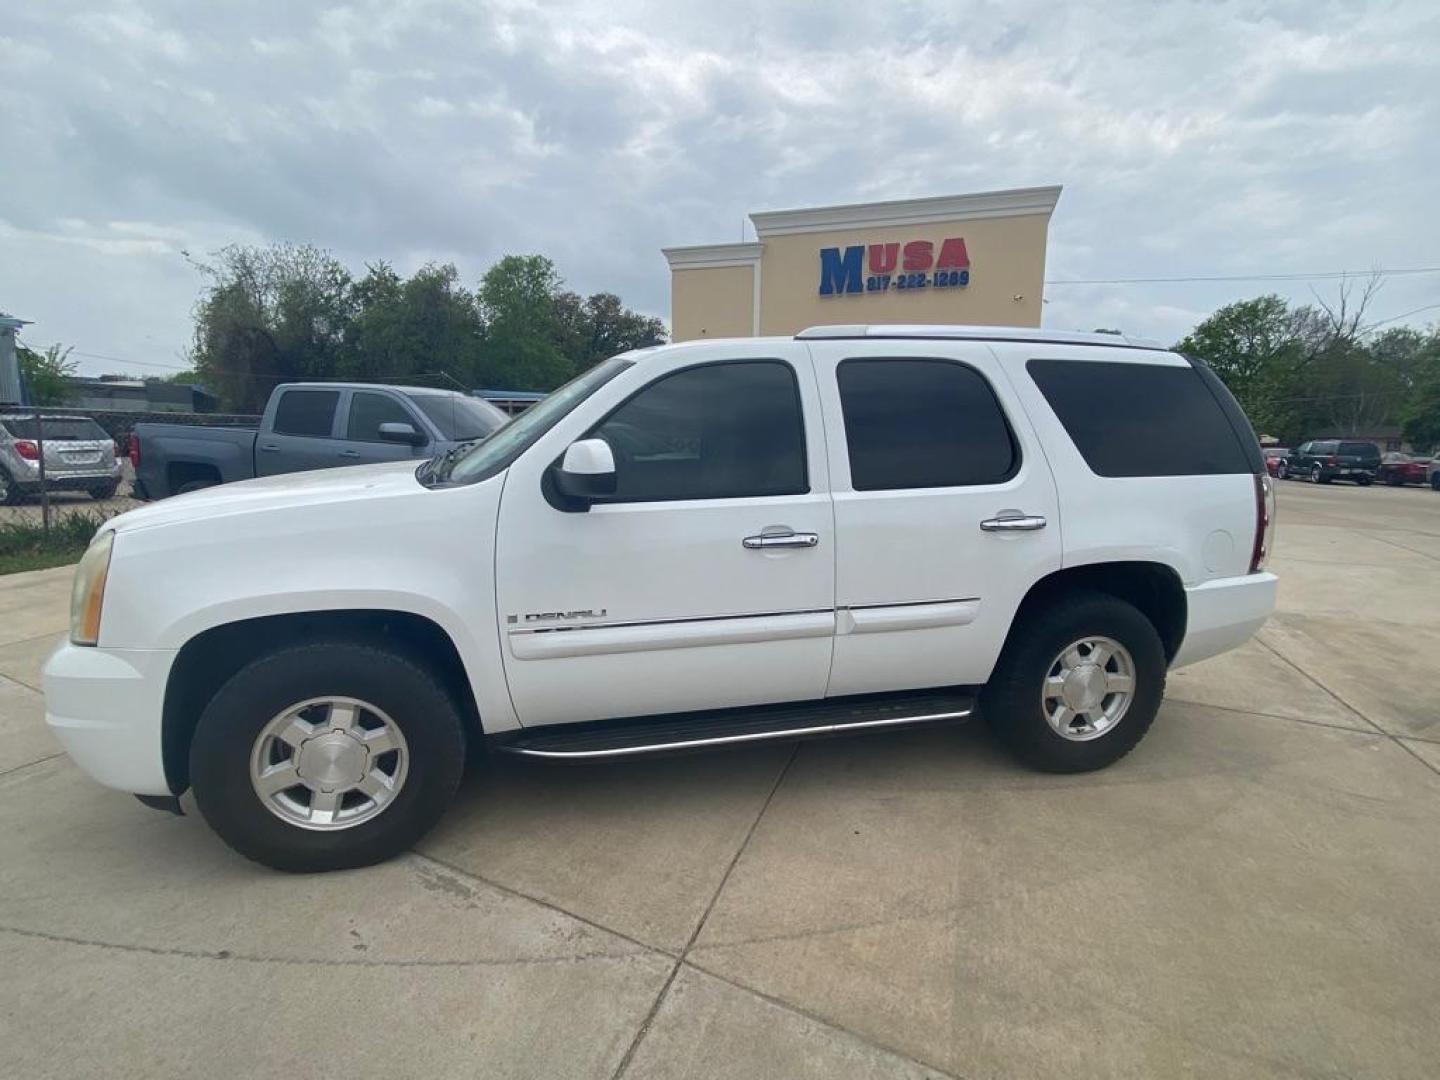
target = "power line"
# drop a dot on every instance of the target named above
(1323, 275)
(1402, 315)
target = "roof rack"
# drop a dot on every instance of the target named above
(977, 333)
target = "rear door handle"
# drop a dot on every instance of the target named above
(781, 540)
(1013, 522)
(269, 448)
(349, 453)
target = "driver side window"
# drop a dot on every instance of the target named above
(717, 431)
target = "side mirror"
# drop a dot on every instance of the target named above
(400, 432)
(587, 472)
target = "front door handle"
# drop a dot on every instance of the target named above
(768, 540)
(1013, 522)
(269, 448)
(349, 453)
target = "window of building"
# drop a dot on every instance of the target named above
(1141, 419)
(923, 424)
(718, 431)
(368, 411)
(306, 412)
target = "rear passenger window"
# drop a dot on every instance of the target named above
(1141, 419)
(922, 424)
(306, 412)
(717, 431)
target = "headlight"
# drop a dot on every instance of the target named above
(88, 593)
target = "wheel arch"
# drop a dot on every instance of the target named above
(1152, 587)
(212, 656)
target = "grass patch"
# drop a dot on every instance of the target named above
(24, 545)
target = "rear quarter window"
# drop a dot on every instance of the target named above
(1146, 419)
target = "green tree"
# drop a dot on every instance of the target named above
(599, 326)
(412, 329)
(521, 348)
(47, 374)
(1255, 348)
(1420, 419)
(269, 315)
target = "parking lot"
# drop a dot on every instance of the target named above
(1255, 891)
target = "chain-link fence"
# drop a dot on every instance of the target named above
(63, 473)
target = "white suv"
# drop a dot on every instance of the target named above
(701, 544)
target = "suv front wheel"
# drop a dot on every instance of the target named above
(326, 756)
(1077, 685)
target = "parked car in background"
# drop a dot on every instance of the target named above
(310, 426)
(1323, 460)
(1274, 455)
(704, 544)
(1397, 468)
(79, 456)
(1432, 473)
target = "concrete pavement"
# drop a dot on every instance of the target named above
(1250, 893)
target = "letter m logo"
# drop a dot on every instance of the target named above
(841, 273)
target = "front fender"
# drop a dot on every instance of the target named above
(418, 551)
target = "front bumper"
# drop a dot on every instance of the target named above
(1224, 614)
(105, 707)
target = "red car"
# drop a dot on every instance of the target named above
(1397, 468)
(1273, 456)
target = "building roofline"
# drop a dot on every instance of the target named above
(707, 256)
(1015, 202)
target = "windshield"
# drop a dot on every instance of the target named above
(459, 417)
(487, 458)
(61, 429)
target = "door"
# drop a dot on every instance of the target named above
(301, 433)
(945, 512)
(707, 581)
(360, 441)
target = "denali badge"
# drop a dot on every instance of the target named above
(555, 616)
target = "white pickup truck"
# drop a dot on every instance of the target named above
(857, 528)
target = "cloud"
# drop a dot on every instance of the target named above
(1192, 139)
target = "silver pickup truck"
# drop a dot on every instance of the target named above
(309, 426)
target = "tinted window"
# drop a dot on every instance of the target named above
(57, 428)
(1141, 419)
(1360, 449)
(922, 424)
(721, 431)
(306, 412)
(459, 417)
(369, 410)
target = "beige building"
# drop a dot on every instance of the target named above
(970, 259)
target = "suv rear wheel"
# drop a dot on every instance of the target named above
(326, 756)
(1077, 685)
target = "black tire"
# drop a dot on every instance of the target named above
(1365, 481)
(1282, 471)
(1394, 479)
(10, 493)
(105, 491)
(1011, 700)
(195, 485)
(415, 700)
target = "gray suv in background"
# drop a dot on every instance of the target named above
(79, 456)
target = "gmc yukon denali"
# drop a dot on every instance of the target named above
(718, 542)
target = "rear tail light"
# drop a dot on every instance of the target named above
(1332, 460)
(27, 449)
(1264, 522)
(134, 441)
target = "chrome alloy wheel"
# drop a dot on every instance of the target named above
(1088, 688)
(329, 763)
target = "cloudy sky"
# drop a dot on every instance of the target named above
(1193, 140)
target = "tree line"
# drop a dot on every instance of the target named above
(1320, 369)
(293, 311)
